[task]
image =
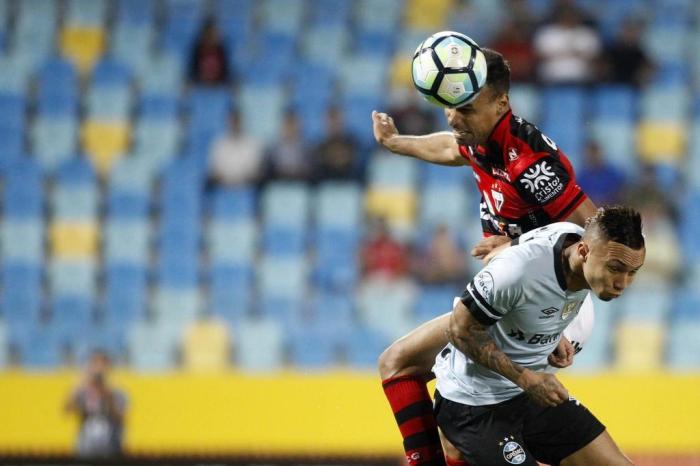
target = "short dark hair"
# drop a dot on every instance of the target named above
(619, 224)
(497, 71)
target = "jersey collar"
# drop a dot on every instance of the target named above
(501, 132)
(558, 259)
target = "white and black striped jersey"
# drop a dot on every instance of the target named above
(521, 294)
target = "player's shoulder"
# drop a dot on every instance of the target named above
(550, 231)
(535, 141)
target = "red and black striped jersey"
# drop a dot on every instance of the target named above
(525, 180)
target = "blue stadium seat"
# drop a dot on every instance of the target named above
(388, 171)
(325, 44)
(110, 72)
(282, 277)
(123, 205)
(53, 141)
(443, 206)
(104, 336)
(39, 346)
(57, 77)
(23, 190)
(77, 202)
(286, 204)
(433, 175)
(332, 311)
(254, 333)
(86, 13)
(133, 175)
(384, 306)
(176, 307)
(671, 104)
(135, 12)
(156, 106)
(281, 16)
(338, 205)
(4, 346)
(131, 44)
(615, 103)
(157, 140)
(108, 103)
(72, 278)
(14, 73)
(162, 73)
(232, 242)
(127, 241)
(72, 312)
(12, 112)
(21, 298)
(125, 294)
(596, 354)
(230, 291)
(374, 43)
(22, 240)
(279, 241)
(433, 301)
(253, 100)
(363, 347)
(525, 101)
(564, 119)
(229, 204)
(151, 347)
(314, 348)
(617, 138)
(11, 143)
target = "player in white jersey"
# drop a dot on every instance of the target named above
(495, 401)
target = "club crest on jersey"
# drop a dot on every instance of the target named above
(513, 453)
(498, 198)
(512, 154)
(570, 307)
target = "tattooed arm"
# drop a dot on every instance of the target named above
(472, 338)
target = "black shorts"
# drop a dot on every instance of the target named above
(516, 431)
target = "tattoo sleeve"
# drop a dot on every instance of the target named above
(472, 338)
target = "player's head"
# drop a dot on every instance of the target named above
(612, 250)
(473, 123)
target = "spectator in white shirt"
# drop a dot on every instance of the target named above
(236, 158)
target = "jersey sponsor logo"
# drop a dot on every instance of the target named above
(548, 313)
(516, 334)
(500, 173)
(542, 182)
(498, 197)
(484, 284)
(543, 338)
(514, 453)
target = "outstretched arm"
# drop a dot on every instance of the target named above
(439, 148)
(472, 338)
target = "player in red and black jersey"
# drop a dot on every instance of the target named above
(525, 182)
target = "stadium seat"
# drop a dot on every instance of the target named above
(151, 347)
(23, 193)
(231, 242)
(135, 12)
(86, 13)
(104, 142)
(255, 333)
(22, 240)
(53, 141)
(433, 301)
(325, 44)
(281, 16)
(525, 101)
(14, 73)
(378, 15)
(72, 314)
(130, 43)
(426, 14)
(132, 174)
(338, 205)
(176, 306)
(82, 45)
(73, 240)
(206, 347)
(286, 204)
(230, 291)
(74, 202)
(279, 241)
(391, 172)
(443, 206)
(256, 101)
(661, 142)
(127, 240)
(125, 293)
(40, 346)
(615, 103)
(665, 105)
(398, 206)
(4, 346)
(314, 348)
(21, 299)
(363, 346)
(72, 278)
(385, 306)
(282, 277)
(617, 140)
(564, 118)
(596, 354)
(108, 103)
(162, 73)
(639, 346)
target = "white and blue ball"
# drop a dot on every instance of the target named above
(449, 69)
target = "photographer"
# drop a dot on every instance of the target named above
(100, 408)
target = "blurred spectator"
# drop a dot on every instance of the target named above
(567, 48)
(236, 158)
(100, 408)
(208, 65)
(513, 41)
(409, 116)
(602, 181)
(443, 261)
(383, 256)
(335, 157)
(289, 158)
(626, 62)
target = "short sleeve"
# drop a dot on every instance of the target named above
(494, 291)
(548, 183)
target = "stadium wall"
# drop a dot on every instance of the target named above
(327, 413)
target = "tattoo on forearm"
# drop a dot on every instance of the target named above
(476, 342)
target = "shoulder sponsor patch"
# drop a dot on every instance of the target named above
(483, 282)
(543, 181)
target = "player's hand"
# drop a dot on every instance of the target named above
(383, 127)
(484, 249)
(563, 355)
(545, 389)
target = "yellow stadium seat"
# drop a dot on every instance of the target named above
(660, 142)
(71, 240)
(206, 347)
(397, 206)
(105, 143)
(427, 14)
(639, 346)
(401, 72)
(82, 45)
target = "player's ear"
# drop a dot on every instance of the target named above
(583, 250)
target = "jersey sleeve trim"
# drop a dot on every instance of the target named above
(570, 207)
(476, 311)
(481, 302)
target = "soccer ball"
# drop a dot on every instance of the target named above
(449, 69)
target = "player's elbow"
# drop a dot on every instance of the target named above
(393, 361)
